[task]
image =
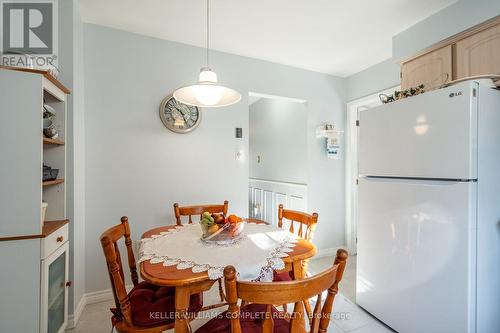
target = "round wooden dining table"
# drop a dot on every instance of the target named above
(187, 283)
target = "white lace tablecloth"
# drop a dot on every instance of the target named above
(255, 255)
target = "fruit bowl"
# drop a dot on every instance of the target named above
(226, 232)
(218, 228)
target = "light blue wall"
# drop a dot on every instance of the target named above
(278, 134)
(136, 167)
(445, 23)
(372, 80)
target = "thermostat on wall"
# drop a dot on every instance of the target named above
(239, 132)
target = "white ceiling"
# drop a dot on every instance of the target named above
(338, 37)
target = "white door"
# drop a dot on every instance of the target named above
(433, 135)
(351, 188)
(415, 246)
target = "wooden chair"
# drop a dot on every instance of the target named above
(133, 309)
(305, 229)
(260, 316)
(307, 223)
(198, 210)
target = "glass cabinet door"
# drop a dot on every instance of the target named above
(56, 289)
(55, 295)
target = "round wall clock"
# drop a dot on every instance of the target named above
(178, 117)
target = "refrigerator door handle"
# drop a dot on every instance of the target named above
(435, 181)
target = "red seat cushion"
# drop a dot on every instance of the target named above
(154, 305)
(251, 318)
(283, 276)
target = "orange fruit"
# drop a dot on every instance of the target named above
(233, 219)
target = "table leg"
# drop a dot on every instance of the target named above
(299, 273)
(182, 295)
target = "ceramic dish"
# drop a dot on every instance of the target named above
(50, 110)
(47, 123)
(486, 80)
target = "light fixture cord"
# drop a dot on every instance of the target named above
(208, 33)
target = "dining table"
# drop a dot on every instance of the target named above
(186, 282)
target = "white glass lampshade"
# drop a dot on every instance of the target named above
(207, 93)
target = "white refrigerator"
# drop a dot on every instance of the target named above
(429, 211)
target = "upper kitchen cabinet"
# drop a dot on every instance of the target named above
(479, 54)
(431, 69)
(475, 51)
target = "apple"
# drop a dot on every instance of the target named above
(219, 218)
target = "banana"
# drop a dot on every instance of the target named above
(213, 228)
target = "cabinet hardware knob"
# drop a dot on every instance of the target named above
(59, 239)
(68, 284)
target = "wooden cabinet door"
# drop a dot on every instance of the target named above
(431, 69)
(479, 54)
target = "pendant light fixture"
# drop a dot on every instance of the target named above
(206, 92)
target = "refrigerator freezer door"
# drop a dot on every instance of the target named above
(433, 135)
(416, 242)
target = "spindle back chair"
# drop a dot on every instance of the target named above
(287, 292)
(191, 211)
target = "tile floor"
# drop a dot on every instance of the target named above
(350, 318)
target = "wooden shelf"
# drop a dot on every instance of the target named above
(51, 226)
(53, 182)
(57, 142)
(48, 228)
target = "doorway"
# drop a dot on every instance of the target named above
(278, 164)
(351, 194)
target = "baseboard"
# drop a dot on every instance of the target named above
(75, 316)
(328, 252)
(87, 299)
(99, 296)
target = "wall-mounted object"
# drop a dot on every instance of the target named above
(240, 155)
(179, 117)
(333, 139)
(239, 132)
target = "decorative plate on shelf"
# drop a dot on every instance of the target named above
(490, 80)
(179, 117)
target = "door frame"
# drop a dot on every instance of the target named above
(351, 163)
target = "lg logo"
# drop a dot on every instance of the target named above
(27, 27)
(455, 94)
